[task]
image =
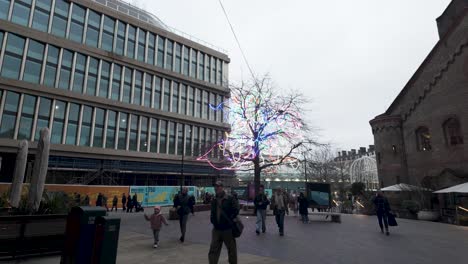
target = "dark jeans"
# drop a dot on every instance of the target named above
(183, 224)
(114, 206)
(305, 218)
(383, 216)
(279, 216)
(261, 217)
(218, 237)
(156, 236)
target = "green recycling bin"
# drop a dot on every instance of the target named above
(106, 240)
(80, 234)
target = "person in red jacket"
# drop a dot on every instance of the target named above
(156, 220)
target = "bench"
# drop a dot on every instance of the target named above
(335, 217)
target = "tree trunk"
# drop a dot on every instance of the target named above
(41, 164)
(18, 176)
(257, 173)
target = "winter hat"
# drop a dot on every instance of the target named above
(157, 207)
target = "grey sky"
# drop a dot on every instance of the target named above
(351, 58)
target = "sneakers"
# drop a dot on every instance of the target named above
(182, 239)
(258, 232)
(155, 246)
(387, 233)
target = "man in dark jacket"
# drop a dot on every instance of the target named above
(182, 203)
(303, 208)
(134, 202)
(224, 209)
(124, 202)
(99, 200)
(261, 203)
(129, 204)
(382, 208)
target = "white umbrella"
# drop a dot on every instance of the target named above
(461, 188)
(403, 187)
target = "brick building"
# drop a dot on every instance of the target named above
(420, 139)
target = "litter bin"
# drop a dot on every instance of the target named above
(80, 233)
(106, 240)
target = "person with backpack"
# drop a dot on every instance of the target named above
(261, 203)
(183, 206)
(224, 211)
(382, 208)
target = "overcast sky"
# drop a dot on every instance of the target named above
(351, 58)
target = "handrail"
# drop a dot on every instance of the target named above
(149, 18)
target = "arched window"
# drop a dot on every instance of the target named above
(452, 132)
(423, 139)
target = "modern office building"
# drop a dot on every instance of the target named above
(126, 99)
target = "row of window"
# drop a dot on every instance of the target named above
(452, 133)
(83, 25)
(39, 63)
(22, 116)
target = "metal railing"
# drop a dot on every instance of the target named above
(147, 17)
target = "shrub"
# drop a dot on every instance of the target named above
(411, 205)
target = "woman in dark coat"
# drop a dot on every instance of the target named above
(303, 208)
(129, 204)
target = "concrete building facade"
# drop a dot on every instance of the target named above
(127, 100)
(421, 138)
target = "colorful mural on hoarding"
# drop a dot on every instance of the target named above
(159, 195)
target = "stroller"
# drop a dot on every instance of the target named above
(139, 208)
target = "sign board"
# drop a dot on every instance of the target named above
(319, 195)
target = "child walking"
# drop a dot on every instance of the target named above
(156, 221)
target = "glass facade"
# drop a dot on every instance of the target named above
(98, 139)
(72, 125)
(86, 122)
(41, 15)
(141, 45)
(33, 66)
(93, 28)
(58, 122)
(51, 66)
(131, 36)
(143, 134)
(79, 73)
(111, 129)
(13, 57)
(175, 97)
(108, 34)
(10, 111)
(123, 124)
(138, 89)
(21, 10)
(133, 142)
(65, 70)
(59, 22)
(91, 83)
(43, 117)
(77, 23)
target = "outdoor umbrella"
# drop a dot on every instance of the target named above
(403, 187)
(461, 188)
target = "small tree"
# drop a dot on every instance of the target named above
(266, 128)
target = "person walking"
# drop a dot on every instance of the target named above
(134, 202)
(224, 208)
(261, 203)
(129, 204)
(182, 205)
(303, 208)
(124, 202)
(293, 202)
(104, 202)
(279, 203)
(86, 200)
(99, 200)
(382, 208)
(114, 203)
(156, 220)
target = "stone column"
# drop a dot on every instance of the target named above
(18, 176)
(41, 164)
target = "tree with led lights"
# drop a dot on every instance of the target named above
(267, 128)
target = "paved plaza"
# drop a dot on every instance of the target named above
(356, 240)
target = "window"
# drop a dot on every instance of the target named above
(169, 54)
(191, 95)
(65, 70)
(220, 72)
(7, 127)
(98, 140)
(116, 82)
(21, 10)
(178, 57)
(161, 45)
(452, 132)
(213, 70)
(186, 64)
(196, 142)
(423, 139)
(198, 106)
(1, 39)
(207, 145)
(72, 125)
(94, 26)
(208, 68)
(27, 117)
(212, 103)
(43, 116)
(154, 135)
(175, 97)
(111, 129)
(138, 87)
(163, 137)
(202, 145)
(201, 66)
(219, 115)
(77, 23)
(151, 46)
(79, 73)
(91, 84)
(4, 8)
(86, 122)
(105, 79)
(58, 125)
(148, 89)
(193, 70)
(180, 139)
(33, 67)
(51, 66)
(133, 133)
(205, 105)
(167, 95)
(120, 44)
(188, 140)
(122, 141)
(127, 89)
(108, 34)
(131, 41)
(172, 137)
(144, 134)
(13, 56)
(41, 15)
(183, 99)
(157, 93)
(141, 45)
(59, 22)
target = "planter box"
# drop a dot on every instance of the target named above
(428, 215)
